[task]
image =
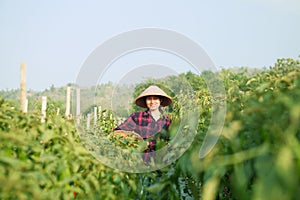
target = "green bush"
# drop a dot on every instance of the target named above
(256, 157)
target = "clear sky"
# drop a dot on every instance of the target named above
(55, 37)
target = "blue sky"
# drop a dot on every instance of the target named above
(55, 37)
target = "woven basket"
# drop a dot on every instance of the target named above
(128, 134)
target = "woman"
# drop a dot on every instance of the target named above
(151, 121)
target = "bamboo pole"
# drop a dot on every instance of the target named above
(68, 101)
(26, 106)
(23, 95)
(95, 116)
(88, 121)
(78, 105)
(99, 111)
(44, 108)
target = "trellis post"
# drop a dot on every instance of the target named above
(78, 105)
(44, 108)
(88, 121)
(68, 102)
(95, 116)
(23, 95)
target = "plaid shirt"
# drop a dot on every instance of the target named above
(145, 125)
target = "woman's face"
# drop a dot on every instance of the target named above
(153, 102)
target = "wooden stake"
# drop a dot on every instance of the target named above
(88, 121)
(26, 106)
(23, 94)
(68, 99)
(44, 108)
(99, 111)
(95, 116)
(78, 105)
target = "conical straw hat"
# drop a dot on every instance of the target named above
(153, 90)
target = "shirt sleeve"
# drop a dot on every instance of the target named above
(128, 125)
(168, 123)
(165, 134)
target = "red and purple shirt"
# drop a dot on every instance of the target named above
(145, 125)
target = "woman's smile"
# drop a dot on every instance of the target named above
(153, 102)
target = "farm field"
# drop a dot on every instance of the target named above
(256, 157)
